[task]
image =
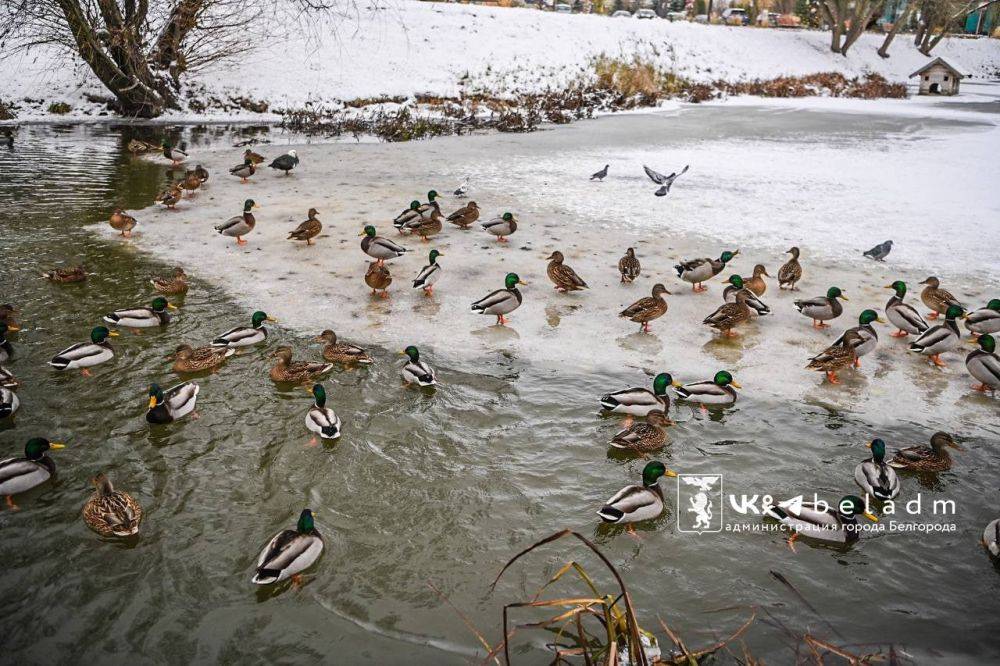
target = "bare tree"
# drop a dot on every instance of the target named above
(848, 20)
(937, 17)
(139, 52)
(899, 22)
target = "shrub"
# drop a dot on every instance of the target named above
(60, 108)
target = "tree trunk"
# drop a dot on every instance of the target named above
(167, 52)
(931, 40)
(862, 17)
(919, 36)
(896, 26)
(122, 68)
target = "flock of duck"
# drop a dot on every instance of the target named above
(115, 513)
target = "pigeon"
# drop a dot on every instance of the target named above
(664, 181)
(463, 189)
(880, 251)
(601, 175)
(285, 162)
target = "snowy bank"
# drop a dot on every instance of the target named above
(412, 48)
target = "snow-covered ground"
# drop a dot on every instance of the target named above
(407, 47)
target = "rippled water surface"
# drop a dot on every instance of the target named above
(439, 487)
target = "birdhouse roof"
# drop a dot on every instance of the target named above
(944, 63)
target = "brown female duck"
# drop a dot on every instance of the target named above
(791, 272)
(175, 284)
(341, 352)
(629, 266)
(187, 359)
(308, 229)
(299, 372)
(69, 274)
(121, 222)
(378, 278)
(465, 216)
(933, 458)
(936, 298)
(564, 277)
(647, 309)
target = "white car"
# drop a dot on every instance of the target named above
(677, 16)
(563, 9)
(701, 18)
(645, 14)
(621, 13)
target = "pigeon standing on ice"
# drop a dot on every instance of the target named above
(285, 162)
(664, 181)
(880, 251)
(601, 175)
(463, 189)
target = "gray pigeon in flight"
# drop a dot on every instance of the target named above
(880, 251)
(600, 175)
(664, 181)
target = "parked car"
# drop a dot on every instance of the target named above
(735, 16)
(621, 13)
(563, 9)
(645, 14)
(677, 16)
(701, 18)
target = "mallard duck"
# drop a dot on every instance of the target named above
(836, 357)
(289, 552)
(629, 266)
(244, 171)
(465, 216)
(791, 272)
(341, 352)
(174, 154)
(410, 214)
(697, 271)
(175, 284)
(432, 205)
(7, 379)
(636, 503)
(429, 274)
(320, 419)
(720, 390)
(85, 355)
(19, 475)
(6, 349)
(379, 248)
(941, 338)
(155, 315)
(121, 222)
(936, 298)
(9, 402)
(867, 335)
(66, 275)
(285, 162)
(202, 173)
(244, 336)
(564, 277)
(308, 229)
(502, 301)
(991, 537)
(904, 317)
(644, 436)
(874, 476)
(174, 403)
(137, 146)
(192, 181)
(501, 227)
(984, 364)
(377, 277)
(416, 371)
(818, 520)
(170, 197)
(984, 320)
(188, 359)
(638, 401)
(738, 286)
(239, 225)
(933, 458)
(426, 225)
(729, 315)
(823, 308)
(756, 283)
(298, 372)
(110, 512)
(255, 158)
(647, 309)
